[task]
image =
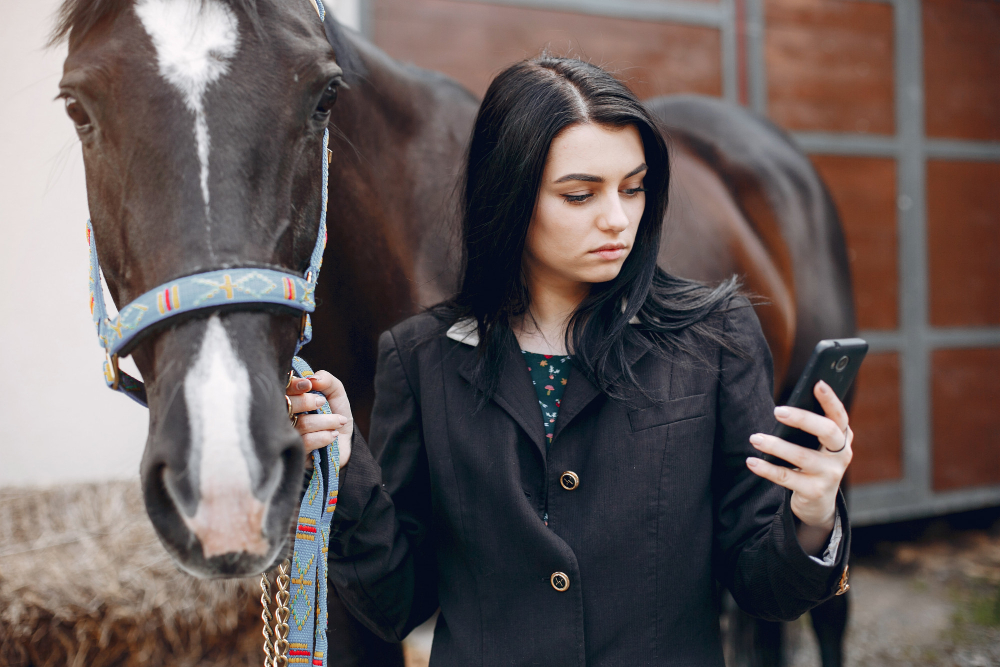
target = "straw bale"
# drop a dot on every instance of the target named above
(85, 582)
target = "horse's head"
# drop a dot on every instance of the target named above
(201, 123)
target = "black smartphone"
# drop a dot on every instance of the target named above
(836, 362)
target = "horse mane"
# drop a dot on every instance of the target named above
(80, 16)
(347, 55)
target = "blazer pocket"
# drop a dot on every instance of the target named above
(668, 412)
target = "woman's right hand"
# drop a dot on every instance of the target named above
(319, 430)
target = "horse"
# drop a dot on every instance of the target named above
(199, 121)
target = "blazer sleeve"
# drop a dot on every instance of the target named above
(381, 558)
(758, 556)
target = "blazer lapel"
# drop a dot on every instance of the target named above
(580, 391)
(515, 393)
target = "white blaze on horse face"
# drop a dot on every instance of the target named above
(229, 518)
(194, 40)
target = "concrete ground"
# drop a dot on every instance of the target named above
(923, 594)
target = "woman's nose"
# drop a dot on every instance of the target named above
(613, 218)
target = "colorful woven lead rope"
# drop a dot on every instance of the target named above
(209, 290)
(307, 624)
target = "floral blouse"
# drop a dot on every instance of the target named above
(549, 374)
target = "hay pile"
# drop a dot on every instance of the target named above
(85, 582)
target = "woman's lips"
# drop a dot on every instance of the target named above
(610, 251)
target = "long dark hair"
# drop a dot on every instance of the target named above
(526, 107)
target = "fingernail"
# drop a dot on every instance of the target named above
(757, 439)
(782, 411)
(303, 384)
(752, 462)
(823, 386)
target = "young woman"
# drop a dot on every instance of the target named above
(570, 447)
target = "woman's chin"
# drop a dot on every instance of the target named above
(601, 274)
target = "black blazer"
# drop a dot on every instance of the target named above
(451, 515)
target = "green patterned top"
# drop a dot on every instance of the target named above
(549, 374)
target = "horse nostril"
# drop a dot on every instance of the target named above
(177, 488)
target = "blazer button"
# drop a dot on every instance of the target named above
(569, 480)
(560, 581)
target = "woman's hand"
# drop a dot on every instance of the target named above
(319, 430)
(814, 485)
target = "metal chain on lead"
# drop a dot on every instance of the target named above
(265, 597)
(281, 615)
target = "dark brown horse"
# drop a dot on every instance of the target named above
(200, 122)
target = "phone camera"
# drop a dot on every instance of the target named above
(842, 364)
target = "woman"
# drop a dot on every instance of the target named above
(570, 447)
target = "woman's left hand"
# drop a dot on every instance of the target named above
(319, 430)
(814, 485)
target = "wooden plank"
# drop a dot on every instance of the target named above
(962, 69)
(963, 227)
(864, 190)
(876, 421)
(830, 65)
(473, 41)
(966, 419)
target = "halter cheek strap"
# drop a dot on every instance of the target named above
(307, 641)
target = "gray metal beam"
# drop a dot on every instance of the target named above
(730, 58)
(873, 504)
(957, 149)
(960, 337)
(689, 13)
(883, 341)
(912, 234)
(837, 143)
(941, 337)
(755, 57)
(870, 145)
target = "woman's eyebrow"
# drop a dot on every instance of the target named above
(590, 178)
(641, 168)
(580, 177)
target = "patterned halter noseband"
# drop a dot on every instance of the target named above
(306, 638)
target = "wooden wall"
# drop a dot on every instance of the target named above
(830, 70)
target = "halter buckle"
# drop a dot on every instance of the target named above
(111, 373)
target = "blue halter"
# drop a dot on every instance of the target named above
(307, 640)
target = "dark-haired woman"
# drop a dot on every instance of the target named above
(570, 446)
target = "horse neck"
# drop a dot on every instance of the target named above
(398, 136)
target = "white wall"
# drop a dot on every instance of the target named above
(58, 422)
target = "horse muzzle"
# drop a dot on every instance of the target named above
(223, 468)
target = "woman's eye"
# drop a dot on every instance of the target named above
(632, 192)
(326, 102)
(76, 113)
(578, 199)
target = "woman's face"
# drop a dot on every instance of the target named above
(589, 206)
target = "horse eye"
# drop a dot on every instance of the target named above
(327, 101)
(76, 113)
